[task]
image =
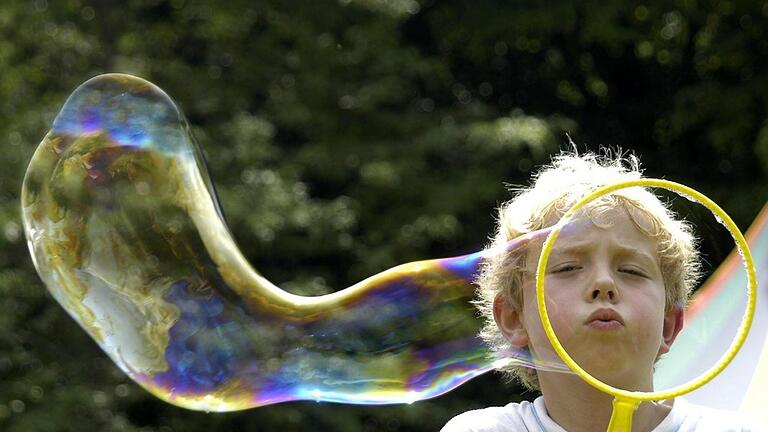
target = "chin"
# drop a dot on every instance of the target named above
(612, 367)
(626, 378)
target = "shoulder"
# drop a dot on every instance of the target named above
(510, 417)
(704, 419)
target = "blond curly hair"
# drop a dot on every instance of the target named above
(555, 188)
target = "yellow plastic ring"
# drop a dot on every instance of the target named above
(738, 340)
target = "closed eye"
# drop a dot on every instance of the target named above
(564, 268)
(633, 271)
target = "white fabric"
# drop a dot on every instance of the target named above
(532, 417)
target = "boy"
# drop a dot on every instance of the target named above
(617, 281)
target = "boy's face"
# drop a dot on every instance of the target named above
(605, 298)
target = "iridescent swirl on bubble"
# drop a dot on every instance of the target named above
(125, 230)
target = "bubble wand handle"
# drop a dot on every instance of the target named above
(621, 417)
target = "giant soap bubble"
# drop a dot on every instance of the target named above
(125, 230)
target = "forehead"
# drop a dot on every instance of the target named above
(618, 226)
(602, 210)
(615, 222)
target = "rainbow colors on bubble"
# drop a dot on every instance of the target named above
(125, 230)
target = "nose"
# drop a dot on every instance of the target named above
(603, 287)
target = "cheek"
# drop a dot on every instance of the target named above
(562, 301)
(557, 292)
(559, 316)
(652, 303)
(651, 318)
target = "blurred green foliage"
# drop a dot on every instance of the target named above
(348, 136)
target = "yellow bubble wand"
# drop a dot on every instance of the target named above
(626, 402)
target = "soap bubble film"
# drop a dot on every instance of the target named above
(125, 229)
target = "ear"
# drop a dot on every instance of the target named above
(509, 322)
(673, 323)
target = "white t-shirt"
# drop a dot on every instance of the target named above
(532, 417)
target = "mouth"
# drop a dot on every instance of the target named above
(605, 319)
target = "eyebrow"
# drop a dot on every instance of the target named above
(581, 248)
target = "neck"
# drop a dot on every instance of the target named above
(579, 407)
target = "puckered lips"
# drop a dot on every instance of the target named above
(605, 319)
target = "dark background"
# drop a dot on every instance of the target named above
(348, 136)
